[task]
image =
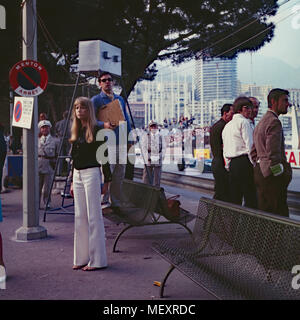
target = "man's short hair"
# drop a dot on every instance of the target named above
(103, 73)
(276, 94)
(254, 98)
(226, 108)
(240, 102)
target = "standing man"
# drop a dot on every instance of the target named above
(118, 169)
(59, 132)
(216, 143)
(47, 156)
(254, 111)
(272, 172)
(238, 139)
(152, 148)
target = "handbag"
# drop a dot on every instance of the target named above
(173, 207)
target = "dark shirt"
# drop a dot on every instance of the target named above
(216, 141)
(84, 154)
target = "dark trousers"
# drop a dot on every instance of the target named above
(272, 192)
(241, 182)
(221, 177)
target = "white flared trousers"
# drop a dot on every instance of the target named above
(89, 234)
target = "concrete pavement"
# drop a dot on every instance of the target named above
(42, 269)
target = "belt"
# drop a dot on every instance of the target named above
(46, 157)
(242, 155)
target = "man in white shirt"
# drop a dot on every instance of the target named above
(254, 112)
(237, 138)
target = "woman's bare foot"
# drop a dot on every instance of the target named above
(87, 268)
(78, 267)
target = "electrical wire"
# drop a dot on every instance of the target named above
(242, 28)
(256, 35)
(232, 48)
(50, 38)
(69, 84)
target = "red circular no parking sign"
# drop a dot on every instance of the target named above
(28, 78)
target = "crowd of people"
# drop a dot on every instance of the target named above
(182, 123)
(249, 162)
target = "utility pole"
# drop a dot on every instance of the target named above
(31, 230)
(11, 110)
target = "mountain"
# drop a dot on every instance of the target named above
(267, 71)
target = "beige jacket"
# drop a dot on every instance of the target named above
(268, 144)
(47, 153)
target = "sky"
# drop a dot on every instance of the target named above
(284, 47)
(285, 44)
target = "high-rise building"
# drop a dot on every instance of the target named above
(295, 97)
(162, 99)
(216, 79)
(208, 113)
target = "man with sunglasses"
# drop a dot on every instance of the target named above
(118, 168)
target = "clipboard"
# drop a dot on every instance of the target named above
(111, 112)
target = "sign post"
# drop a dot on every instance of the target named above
(31, 230)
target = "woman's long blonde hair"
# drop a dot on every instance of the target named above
(91, 120)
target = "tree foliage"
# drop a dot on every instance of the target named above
(146, 30)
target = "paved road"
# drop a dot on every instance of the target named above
(294, 185)
(42, 269)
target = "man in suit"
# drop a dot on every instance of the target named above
(47, 155)
(216, 143)
(272, 172)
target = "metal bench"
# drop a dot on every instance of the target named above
(144, 205)
(237, 253)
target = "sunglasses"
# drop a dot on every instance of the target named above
(105, 80)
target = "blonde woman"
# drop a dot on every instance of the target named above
(89, 233)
